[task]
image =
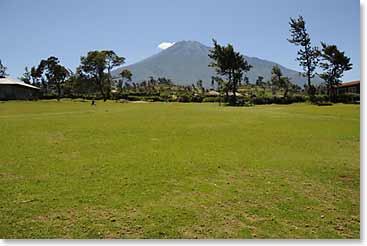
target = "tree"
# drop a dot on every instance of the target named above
(230, 64)
(164, 81)
(3, 73)
(125, 74)
(308, 56)
(285, 84)
(334, 63)
(26, 77)
(55, 73)
(36, 75)
(278, 80)
(276, 75)
(112, 61)
(94, 66)
(199, 86)
(260, 82)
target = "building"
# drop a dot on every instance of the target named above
(348, 87)
(212, 93)
(12, 89)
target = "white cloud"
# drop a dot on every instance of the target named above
(165, 45)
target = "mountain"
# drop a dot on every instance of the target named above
(186, 62)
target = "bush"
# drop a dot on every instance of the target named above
(152, 99)
(320, 99)
(278, 100)
(239, 102)
(48, 96)
(133, 98)
(183, 99)
(197, 98)
(348, 98)
(212, 99)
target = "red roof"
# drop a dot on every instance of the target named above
(351, 83)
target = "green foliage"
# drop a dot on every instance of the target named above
(278, 100)
(3, 68)
(184, 99)
(334, 63)
(308, 56)
(212, 99)
(319, 99)
(230, 64)
(26, 77)
(55, 74)
(348, 98)
(94, 66)
(125, 75)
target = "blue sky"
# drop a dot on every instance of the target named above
(34, 30)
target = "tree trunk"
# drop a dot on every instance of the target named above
(285, 92)
(58, 91)
(234, 93)
(102, 92)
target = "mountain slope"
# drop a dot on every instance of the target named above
(187, 61)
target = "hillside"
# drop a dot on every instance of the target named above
(187, 61)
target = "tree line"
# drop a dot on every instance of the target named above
(93, 75)
(231, 66)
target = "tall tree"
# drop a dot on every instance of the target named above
(94, 67)
(26, 77)
(112, 60)
(230, 64)
(285, 84)
(36, 75)
(278, 80)
(260, 83)
(276, 75)
(3, 73)
(259, 80)
(55, 73)
(125, 75)
(199, 86)
(334, 63)
(308, 56)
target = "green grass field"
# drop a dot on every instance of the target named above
(169, 170)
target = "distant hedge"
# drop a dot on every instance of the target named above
(241, 101)
(348, 98)
(278, 100)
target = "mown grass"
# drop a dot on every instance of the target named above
(167, 170)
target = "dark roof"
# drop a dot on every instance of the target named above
(347, 84)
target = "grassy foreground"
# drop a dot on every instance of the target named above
(157, 170)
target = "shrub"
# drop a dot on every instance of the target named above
(348, 98)
(133, 98)
(197, 98)
(239, 102)
(319, 99)
(212, 99)
(278, 100)
(152, 99)
(183, 99)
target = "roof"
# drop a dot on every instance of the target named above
(237, 94)
(347, 84)
(11, 81)
(213, 93)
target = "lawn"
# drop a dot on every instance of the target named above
(171, 170)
